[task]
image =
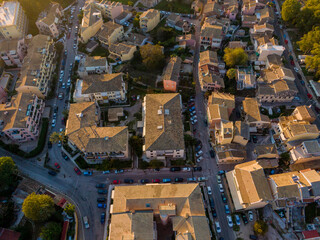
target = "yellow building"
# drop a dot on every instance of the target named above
(13, 20)
(37, 68)
(149, 20)
(141, 211)
(91, 22)
(110, 33)
(122, 51)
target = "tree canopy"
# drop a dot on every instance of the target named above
(8, 171)
(309, 40)
(260, 227)
(55, 137)
(234, 57)
(231, 73)
(290, 10)
(38, 207)
(51, 231)
(69, 209)
(152, 56)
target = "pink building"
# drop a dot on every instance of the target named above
(109, 9)
(20, 118)
(4, 81)
(249, 7)
(231, 9)
(13, 51)
(171, 74)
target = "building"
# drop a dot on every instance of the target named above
(93, 65)
(109, 9)
(241, 134)
(267, 155)
(265, 15)
(163, 127)
(171, 74)
(217, 114)
(123, 17)
(122, 51)
(21, 117)
(172, 19)
(187, 40)
(210, 82)
(38, 66)
(246, 79)
(13, 51)
(114, 114)
(104, 88)
(230, 153)
(277, 91)
(211, 36)
(91, 46)
(49, 20)
(311, 235)
(237, 44)
(110, 32)
(230, 8)
(7, 234)
(91, 22)
(249, 21)
(262, 29)
(208, 61)
(94, 142)
(149, 20)
(223, 99)
(268, 49)
(249, 7)
(293, 188)
(4, 84)
(136, 39)
(304, 113)
(253, 116)
(248, 186)
(13, 22)
(307, 152)
(150, 3)
(212, 9)
(141, 211)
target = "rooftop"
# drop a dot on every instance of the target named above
(217, 111)
(208, 57)
(102, 83)
(8, 45)
(91, 15)
(211, 31)
(8, 13)
(149, 14)
(95, 61)
(224, 99)
(49, 15)
(120, 48)
(171, 72)
(252, 110)
(107, 29)
(163, 122)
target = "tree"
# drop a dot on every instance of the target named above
(55, 137)
(38, 207)
(130, 3)
(290, 10)
(69, 209)
(136, 143)
(313, 62)
(152, 56)
(307, 42)
(51, 231)
(65, 113)
(260, 227)
(234, 57)
(8, 173)
(231, 73)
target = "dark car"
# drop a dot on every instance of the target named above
(49, 144)
(101, 200)
(221, 172)
(214, 213)
(198, 143)
(102, 191)
(175, 169)
(211, 202)
(223, 197)
(244, 218)
(254, 139)
(128, 181)
(253, 237)
(197, 169)
(52, 173)
(178, 179)
(144, 180)
(317, 109)
(299, 76)
(100, 185)
(102, 205)
(103, 217)
(55, 109)
(64, 156)
(198, 148)
(302, 82)
(212, 154)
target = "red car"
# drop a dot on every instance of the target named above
(309, 96)
(116, 182)
(156, 180)
(57, 165)
(292, 62)
(77, 171)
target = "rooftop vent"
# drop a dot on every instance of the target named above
(80, 115)
(159, 111)
(106, 138)
(159, 127)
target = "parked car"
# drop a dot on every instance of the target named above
(52, 173)
(237, 220)
(192, 179)
(218, 228)
(178, 179)
(198, 154)
(209, 190)
(106, 172)
(60, 96)
(296, 69)
(119, 171)
(102, 217)
(212, 154)
(202, 179)
(166, 180)
(87, 173)
(309, 95)
(116, 181)
(63, 85)
(57, 165)
(226, 209)
(199, 159)
(223, 197)
(175, 169)
(197, 169)
(253, 237)
(100, 185)
(78, 172)
(198, 148)
(299, 76)
(101, 200)
(194, 121)
(214, 213)
(186, 169)
(229, 219)
(250, 214)
(221, 172)
(156, 180)
(244, 218)
(102, 205)
(59, 144)
(218, 178)
(102, 191)
(302, 82)
(53, 124)
(130, 181)
(221, 189)
(144, 180)
(254, 139)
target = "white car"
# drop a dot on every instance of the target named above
(61, 130)
(237, 220)
(209, 190)
(61, 79)
(69, 82)
(229, 219)
(198, 154)
(194, 118)
(59, 144)
(296, 69)
(54, 115)
(218, 227)
(194, 121)
(186, 169)
(199, 159)
(63, 85)
(218, 178)
(221, 188)
(61, 72)
(53, 123)
(250, 213)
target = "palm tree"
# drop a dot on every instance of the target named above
(55, 137)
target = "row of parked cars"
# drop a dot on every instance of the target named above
(101, 200)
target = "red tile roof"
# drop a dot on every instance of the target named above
(310, 234)
(7, 234)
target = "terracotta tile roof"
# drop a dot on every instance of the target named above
(107, 30)
(251, 108)
(102, 82)
(218, 112)
(208, 57)
(172, 70)
(224, 99)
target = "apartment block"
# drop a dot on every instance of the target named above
(109, 9)
(306, 153)
(103, 87)
(93, 65)
(13, 20)
(38, 66)
(149, 20)
(91, 22)
(96, 143)
(13, 51)
(49, 20)
(110, 33)
(211, 36)
(163, 127)
(5, 79)
(122, 51)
